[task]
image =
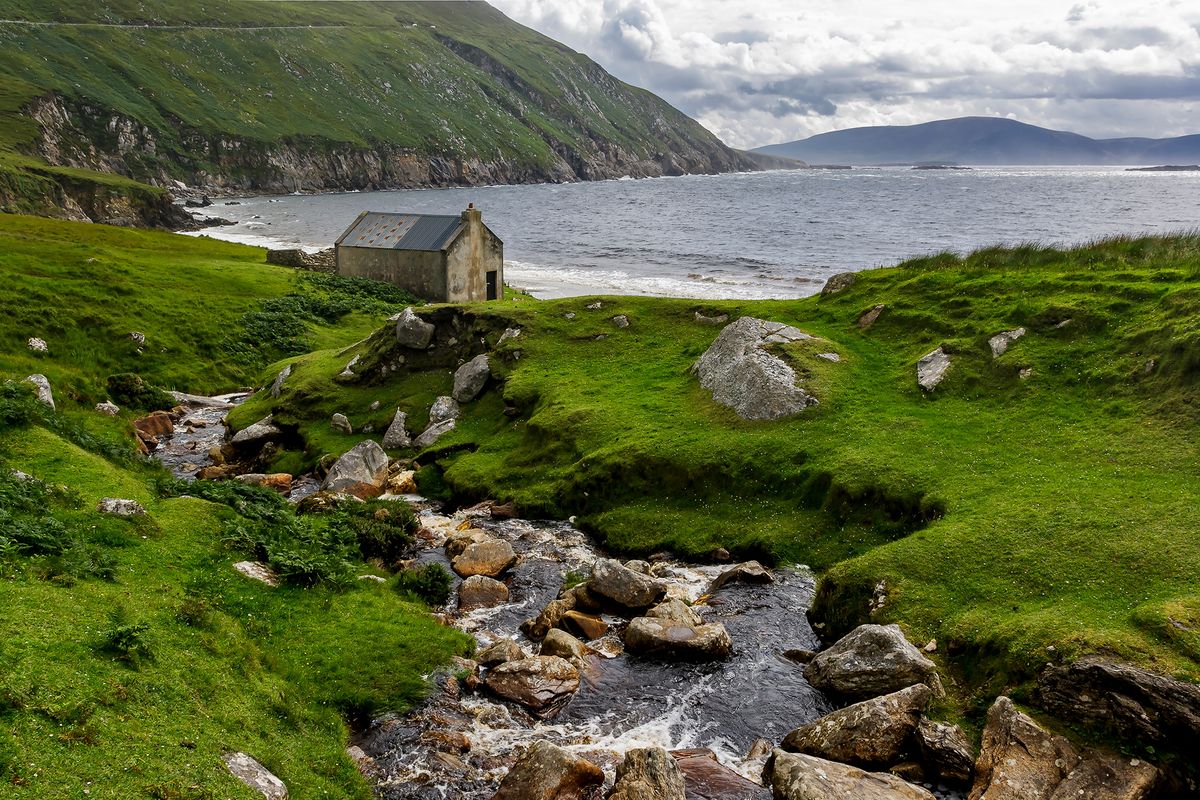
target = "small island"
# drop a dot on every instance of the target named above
(1167, 168)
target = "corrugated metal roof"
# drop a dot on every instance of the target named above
(402, 231)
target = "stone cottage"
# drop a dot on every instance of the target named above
(441, 258)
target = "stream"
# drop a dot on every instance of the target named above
(458, 744)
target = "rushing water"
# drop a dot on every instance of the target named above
(767, 234)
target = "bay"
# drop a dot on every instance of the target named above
(752, 235)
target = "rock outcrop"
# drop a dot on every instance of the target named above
(873, 734)
(1000, 342)
(120, 508)
(362, 471)
(547, 772)
(869, 661)
(944, 752)
(1020, 760)
(648, 773)
(741, 374)
(795, 776)
(254, 435)
(746, 572)
(247, 769)
(838, 283)
(396, 436)
(41, 383)
(543, 684)
(412, 331)
(706, 778)
(932, 369)
(470, 378)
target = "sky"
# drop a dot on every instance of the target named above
(757, 72)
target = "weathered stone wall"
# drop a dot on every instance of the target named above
(419, 271)
(475, 253)
(321, 261)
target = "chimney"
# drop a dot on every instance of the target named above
(472, 216)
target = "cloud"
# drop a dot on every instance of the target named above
(759, 71)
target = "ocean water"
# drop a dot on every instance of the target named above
(752, 235)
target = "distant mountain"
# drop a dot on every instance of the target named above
(981, 140)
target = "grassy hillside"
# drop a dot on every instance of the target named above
(131, 655)
(1006, 515)
(289, 95)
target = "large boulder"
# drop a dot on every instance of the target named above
(932, 368)
(746, 572)
(432, 433)
(795, 776)
(41, 383)
(489, 557)
(562, 644)
(470, 378)
(1142, 706)
(869, 661)
(944, 752)
(154, 424)
(873, 734)
(396, 436)
(648, 773)
(480, 591)
(247, 769)
(362, 471)
(547, 772)
(706, 778)
(838, 283)
(677, 639)
(543, 684)
(1021, 760)
(253, 435)
(412, 331)
(617, 583)
(444, 408)
(741, 374)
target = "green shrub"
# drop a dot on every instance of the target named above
(129, 390)
(251, 502)
(18, 405)
(430, 583)
(301, 552)
(383, 530)
(126, 640)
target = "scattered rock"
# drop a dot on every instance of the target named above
(795, 776)
(403, 482)
(138, 338)
(499, 653)
(362, 471)
(834, 357)
(44, 395)
(648, 773)
(431, 434)
(628, 589)
(799, 655)
(869, 661)
(741, 374)
(930, 646)
(569, 315)
(549, 617)
(490, 558)
(257, 571)
(347, 372)
(412, 331)
(279, 481)
(869, 317)
(108, 409)
(1000, 342)
(873, 734)
(1025, 373)
(562, 644)
(444, 408)
(396, 436)
(154, 424)
(543, 684)
(746, 572)
(944, 752)
(503, 510)
(547, 772)
(37, 345)
(838, 283)
(1142, 706)
(932, 368)
(120, 508)
(1020, 760)
(470, 378)
(255, 775)
(675, 610)
(621, 321)
(706, 778)
(277, 385)
(459, 540)
(339, 423)
(480, 591)
(260, 431)
(719, 319)
(589, 626)
(596, 306)
(508, 335)
(667, 637)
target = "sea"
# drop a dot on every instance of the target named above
(776, 234)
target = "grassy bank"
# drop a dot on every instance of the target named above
(1006, 515)
(132, 656)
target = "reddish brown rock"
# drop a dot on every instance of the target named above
(543, 684)
(154, 424)
(705, 778)
(547, 772)
(588, 626)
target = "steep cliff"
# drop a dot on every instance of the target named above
(314, 96)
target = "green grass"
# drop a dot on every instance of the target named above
(1006, 515)
(229, 664)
